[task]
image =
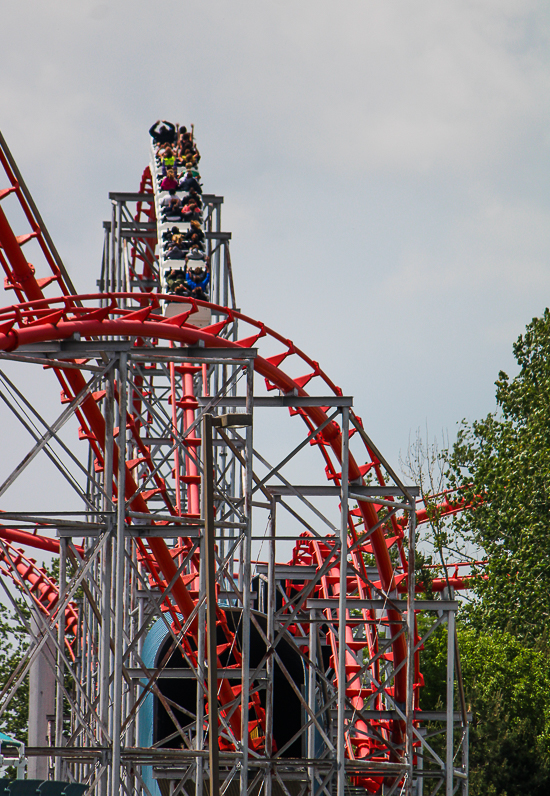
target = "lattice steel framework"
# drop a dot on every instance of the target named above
(317, 660)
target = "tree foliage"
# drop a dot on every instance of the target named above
(503, 465)
(14, 641)
(508, 691)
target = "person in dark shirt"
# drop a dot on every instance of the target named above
(189, 182)
(168, 234)
(194, 197)
(165, 134)
(176, 282)
(195, 241)
(182, 139)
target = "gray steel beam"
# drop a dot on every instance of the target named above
(398, 605)
(73, 349)
(203, 354)
(280, 400)
(321, 490)
(134, 531)
(185, 674)
(419, 715)
(129, 196)
(284, 571)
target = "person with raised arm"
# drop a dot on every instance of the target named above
(163, 134)
(197, 280)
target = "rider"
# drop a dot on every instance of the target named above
(165, 134)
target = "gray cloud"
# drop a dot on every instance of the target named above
(385, 168)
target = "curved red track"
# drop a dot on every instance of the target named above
(37, 319)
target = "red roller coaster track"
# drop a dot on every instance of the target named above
(39, 319)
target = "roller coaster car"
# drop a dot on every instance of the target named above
(202, 315)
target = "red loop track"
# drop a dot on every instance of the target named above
(37, 319)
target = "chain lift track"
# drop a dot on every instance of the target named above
(319, 675)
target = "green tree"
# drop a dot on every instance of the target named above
(14, 642)
(503, 465)
(508, 691)
(508, 687)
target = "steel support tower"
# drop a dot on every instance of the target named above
(219, 622)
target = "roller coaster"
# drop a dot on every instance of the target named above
(214, 623)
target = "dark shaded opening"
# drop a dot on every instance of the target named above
(287, 709)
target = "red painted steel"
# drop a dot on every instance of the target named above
(42, 587)
(71, 323)
(40, 319)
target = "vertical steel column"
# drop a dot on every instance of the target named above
(270, 663)
(420, 769)
(225, 272)
(465, 760)
(177, 465)
(311, 697)
(106, 564)
(214, 275)
(113, 247)
(126, 632)
(215, 212)
(119, 247)
(81, 674)
(210, 562)
(449, 763)
(342, 608)
(201, 640)
(60, 668)
(119, 581)
(104, 281)
(409, 707)
(246, 582)
(42, 691)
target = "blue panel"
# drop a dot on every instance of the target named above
(153, 642)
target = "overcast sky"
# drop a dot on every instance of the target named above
(384, 165)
